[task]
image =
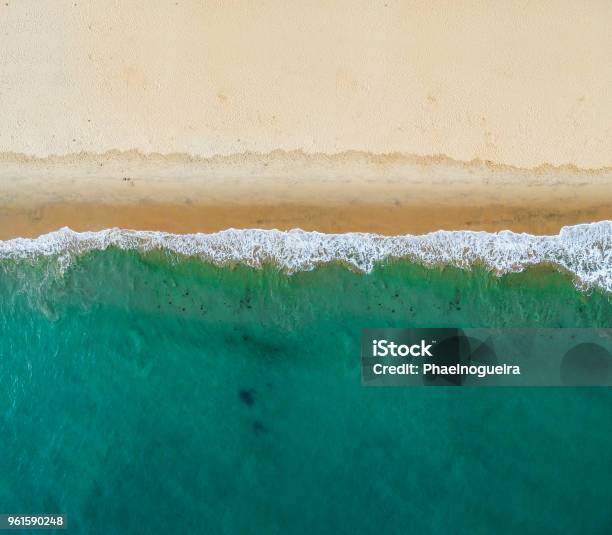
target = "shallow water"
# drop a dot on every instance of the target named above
(143, 393)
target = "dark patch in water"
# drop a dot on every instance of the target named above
(246, 301)
(261, 347)
(247, 396)
(259, 428)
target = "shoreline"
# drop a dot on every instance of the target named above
(349, 192)
(388, 220)
(582, 250)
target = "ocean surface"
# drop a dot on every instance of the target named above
(152, 383)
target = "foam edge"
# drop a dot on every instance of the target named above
(583, 250)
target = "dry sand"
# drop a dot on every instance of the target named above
(520, 83)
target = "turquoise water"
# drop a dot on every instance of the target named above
(146, 394)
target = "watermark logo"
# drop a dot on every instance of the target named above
(384, 348)
(486, 357)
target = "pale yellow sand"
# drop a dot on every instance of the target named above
(519, 83)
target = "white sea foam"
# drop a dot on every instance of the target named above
(583, 250)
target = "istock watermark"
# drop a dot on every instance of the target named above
(486, 357)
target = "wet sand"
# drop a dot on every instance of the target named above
(387, 194)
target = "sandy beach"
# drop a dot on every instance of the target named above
(353, 191)
(390, 117)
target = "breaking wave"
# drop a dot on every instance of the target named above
(583, 250)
